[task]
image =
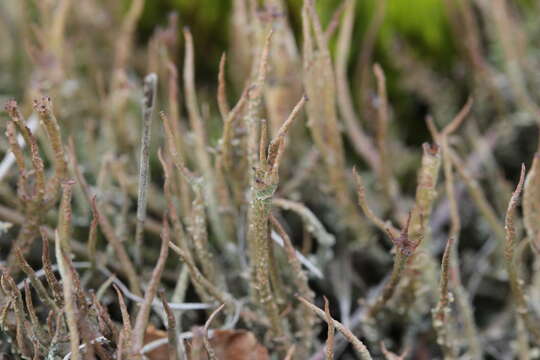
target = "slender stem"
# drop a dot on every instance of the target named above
(149, 99)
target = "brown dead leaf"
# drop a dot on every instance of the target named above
(231, 345)
(228, 345)
(153, 334)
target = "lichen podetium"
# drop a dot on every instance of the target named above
(260, 207)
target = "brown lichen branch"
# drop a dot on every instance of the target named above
(173, 347)
(425, 190)
(197, 217)
(37, 198)
(201, 154)
(106, 226)
(144, 312)
(462, 298)
(405, 248)
(442, 310)
(331, 330)
(70, 306)
(206, 342)
(516, 284)
(36, 283)
(383, 145)
(391, 356)
(319, 83)
(44, 108)
(362, 201)
(531, 205)
(358, 346)
(200, 280)
(222, 88)
(127, 330)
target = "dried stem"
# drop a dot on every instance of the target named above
(47, 267)
(10, 288)
(202, 156)
(358, 139)
(358, 346)
(376, 220)
(306, 321)
(37, 200)
(478, 197)
(385, 172)
(425, 191)
(463, 301)
(36, 283)
(200, 236)
(70, 307)
(331, 330)
(144, 312)
(106, 226)
(290, 353)
(15, 148)
(366, 54)
(312, 223)
(198, 278)
(171, 329)
(126, 322)
(516, 284)
(43, 108)
(206, 342)
(148, 103)
(254, 105)
(264, 182)
(531, 207)
(442, 310)
(225, 156)
(92, 234)
(319, 83)
(124, 39)
(222, 89)
(391, 356)
(284, 72)
(404, 250)
(57, 31)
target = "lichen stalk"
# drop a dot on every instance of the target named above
(148, 103)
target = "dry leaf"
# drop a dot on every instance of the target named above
(153, 334)
(233, 345)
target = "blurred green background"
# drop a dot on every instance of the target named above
(421, 22)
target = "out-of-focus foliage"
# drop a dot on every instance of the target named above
(422, 22)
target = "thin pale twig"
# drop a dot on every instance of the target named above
(70, 307)
(36, 283)
(222, 89)
(358, 138)
(290, 353)
(331, 330)
(171, 328)
(358, 346)
(144, 312)
(106, 226)
(198, 278)
(206, 342)
(390, 355)
(376, 220)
